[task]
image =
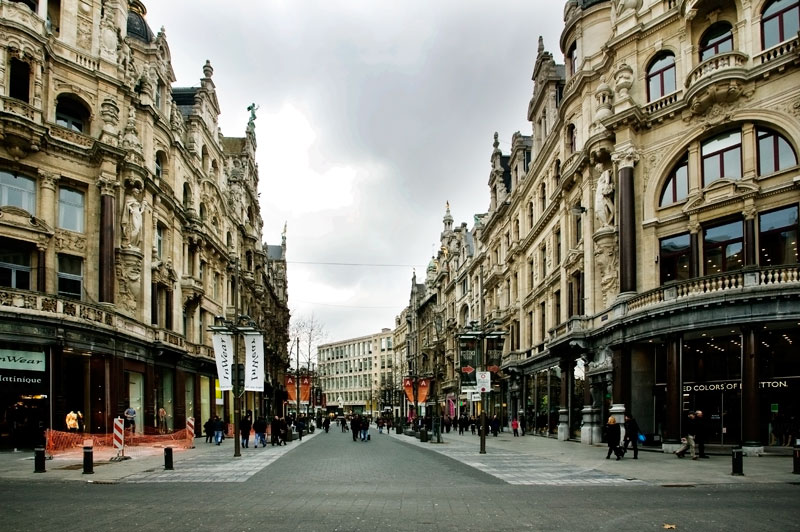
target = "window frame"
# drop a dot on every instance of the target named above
(63, 205)
(765, 133)
(763, 235)
(666, 258)
(672, 184)
(651, 74)
(713, 43)
(67, 277)
(28, 196)
(14, 268)
(779, 15)
(723, 245)
(720, 154)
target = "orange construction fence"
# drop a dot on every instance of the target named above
(60, 441)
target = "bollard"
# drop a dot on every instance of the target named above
(737, 462)
(38, 460)
(88, 460)
(796, 457)
(168, 458)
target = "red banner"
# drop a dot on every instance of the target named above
(422, 390)
(408, 386)
(291, 388)
(305, 389)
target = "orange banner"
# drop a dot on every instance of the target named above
(408, 386)
(422, 390)
(291, 388)
(305, 389)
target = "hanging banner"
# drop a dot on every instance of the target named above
(423, 385)
(291, 388)
(223, 352)
(408, 386)
(305, 389)
(494, 354)
(469, 363)
(254, 363)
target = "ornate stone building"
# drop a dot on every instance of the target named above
(128, 222)
(640, 247)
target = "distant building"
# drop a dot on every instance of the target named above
(123, 215)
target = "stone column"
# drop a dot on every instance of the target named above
(41, 270)
(751, 441)
(626, 158)
(586, 413)
(749, 235)
(672, 427)
(567, 367)
(694, 250)
(107, 186)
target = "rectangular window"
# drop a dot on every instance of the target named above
(777, 237)
(70, 209)
(557, 307)
(19, 80)
(723, 248)
(18, 191)
(722, 157)
(70, 276)
(558, 247)
(578, 223)
(15, 267)
(160, 241)
(543, 261)
(674, 257)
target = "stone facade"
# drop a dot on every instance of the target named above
(128, 222)
(640, 248)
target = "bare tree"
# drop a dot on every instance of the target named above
(310, 332)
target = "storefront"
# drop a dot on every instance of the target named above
(543, 389)
(24, 396)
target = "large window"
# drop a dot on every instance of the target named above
(572, 54)
(722, 157)
(674, 256)
(723, 248)
(716, 40)
(774, 152)
(19, 80)
(70, 276)
(661, 76)
(17, 191)
(777, 237)
(780, 21)
(15, 266)
(70, 209)
(677, 186)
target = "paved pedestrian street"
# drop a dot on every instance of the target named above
(328, 482)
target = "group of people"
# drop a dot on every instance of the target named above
(215, 429)
(693, 436)
(617, 443)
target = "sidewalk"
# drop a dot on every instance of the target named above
(652, 467)
(144, 462)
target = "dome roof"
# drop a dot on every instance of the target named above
(137, 25)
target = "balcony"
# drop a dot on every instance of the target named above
(719, 79)
(786, 51)
(663, 105)
(721, 66)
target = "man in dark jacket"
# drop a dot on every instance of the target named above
(219, 430)
(260, 428)
(244, 429)
(275, 431)
(355, 426)
(700, 433)
(631, 435)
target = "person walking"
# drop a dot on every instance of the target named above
(690, 429)
(208, 428)
(355, 427)
(612, 438)
(326, 424)
(300, 425)
(515, 427)
(219, 428)
(495, 425)
(701, 431)
(244, 430)
(364, 429)
(631, 435)
(260, 428)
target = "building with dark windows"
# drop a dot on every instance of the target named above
(640, 246)
(128, 222)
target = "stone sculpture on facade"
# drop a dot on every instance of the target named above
(604, 199)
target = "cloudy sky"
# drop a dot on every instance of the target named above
(372, 114)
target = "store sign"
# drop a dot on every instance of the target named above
(22, 360)
(734, 385)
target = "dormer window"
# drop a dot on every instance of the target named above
(716, 40)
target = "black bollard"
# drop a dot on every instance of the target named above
(737, 462)
(168, 458)
(796, 457)
(88, 460)
(38, 460)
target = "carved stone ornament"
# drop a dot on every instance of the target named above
(623, 80)
(606, 262)
(720, 191)
(625, 157)
(601, 362)
(129, 279)
(604, 208)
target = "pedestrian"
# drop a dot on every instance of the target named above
(631, 435)
(380, 425)
(355, 426)
(364, 429)
(326, 424)
(208, 428)
(515, 427)
(688, 442)
(495, 425)
(275, 431)
(260, 428)
(130, 418)
(472, 424)
(300, 425)
(283, 432)
(701, 431)
(219, 428)
(244, 430)
(612, 438)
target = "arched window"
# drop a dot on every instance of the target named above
(722, 157)
(558, 170)
(572, 54)
(202, 212)
(72, 114)
(161, 160)
(661, 76)
(774, 152)
(187, 196)
(229, 240)
(780, 21)
(716, 40)
(677, 186)
(572, 140)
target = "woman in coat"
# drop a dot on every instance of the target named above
(613, 436)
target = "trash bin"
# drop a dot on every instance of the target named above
(737, 466)
(423, 435)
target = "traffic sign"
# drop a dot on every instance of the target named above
(484, 381)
